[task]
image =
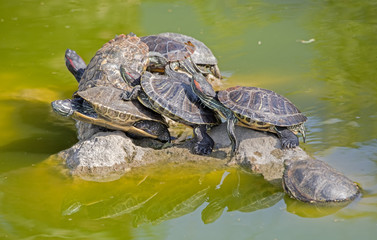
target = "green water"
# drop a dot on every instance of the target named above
(331, 78)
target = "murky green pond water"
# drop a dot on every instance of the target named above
(319, 54)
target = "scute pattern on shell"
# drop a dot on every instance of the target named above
(103, 69)
(108, 103)
(261, 105)
(315, 181)
(172, 50)
(176, 100)
(202, 55)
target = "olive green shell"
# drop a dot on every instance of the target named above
(253, 105)
(108, 104)
(172, 96)
(103, 69)
(315, 181)
(169, 48)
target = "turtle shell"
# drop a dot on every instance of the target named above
(315, 181)
(261, 105)
(108, 104)
(172, 96)
(202, 55)
(103, 69)
(169, 48)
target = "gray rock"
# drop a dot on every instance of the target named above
(259, 152)
(106, 156)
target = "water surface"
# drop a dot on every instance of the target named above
(319, 54)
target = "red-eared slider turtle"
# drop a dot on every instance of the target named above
(255, 108)
(104, 107)
(103, 69)
(202, 56)
(316, 182)
(171, 95)
(165, 51)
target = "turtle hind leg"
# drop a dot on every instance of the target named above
(205, 143)
(287, 137)
(159, 130)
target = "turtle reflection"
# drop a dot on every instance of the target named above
(158, 197)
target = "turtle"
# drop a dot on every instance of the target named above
(87, 104)
(315, 181)
(255, 108)
(165, 51)
(202, 56)
(170, 95)
(103, 106)
(103, 68)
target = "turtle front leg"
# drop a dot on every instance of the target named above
(231, 121)
(287, 137)
(131, 95)
(157, 129)
(205, 143)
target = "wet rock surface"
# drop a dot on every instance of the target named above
(107, 155)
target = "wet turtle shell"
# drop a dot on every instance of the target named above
(171, 95)
(260, 108)
(316, 182)
(104, 107)
(202, 56)
(103, 69)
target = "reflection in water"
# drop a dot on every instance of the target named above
(308, 210)
(149, 196)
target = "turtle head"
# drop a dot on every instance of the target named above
(299, 129)
(302, 130)
(63, 107)
(202, 87)
(131, 77)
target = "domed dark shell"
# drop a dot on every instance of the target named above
(202, 54)
(173, 97)
(316, 182)
(169, 48)
(103, 69)
(261, 105)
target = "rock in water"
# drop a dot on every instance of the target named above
(316, 182)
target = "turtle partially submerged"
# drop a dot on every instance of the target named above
(98, 99)
(254, 108)
(104, 107)
(315, 181)
(202, 56)
(171, 95)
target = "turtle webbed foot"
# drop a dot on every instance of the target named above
(202, 149)
(288, 138)
(205, 143)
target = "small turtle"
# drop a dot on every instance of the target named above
(316, 182)
(104, 107)
(165, 51)
(171, 95)
(202, 56)
(254, 108)
(103, 69)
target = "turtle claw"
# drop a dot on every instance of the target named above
(202, 149)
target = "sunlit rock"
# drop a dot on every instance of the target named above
(105, 156)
